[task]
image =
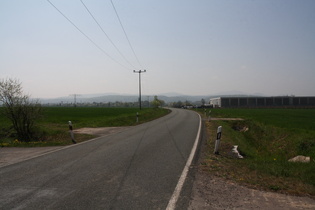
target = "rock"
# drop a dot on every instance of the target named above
(301, 159)
(235, 153)
(240, 128)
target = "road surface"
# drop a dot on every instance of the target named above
(137, 168)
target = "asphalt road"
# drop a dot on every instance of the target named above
(135, 169)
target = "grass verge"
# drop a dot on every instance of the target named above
(53, 128)
(271, 138)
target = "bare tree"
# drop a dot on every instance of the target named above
(19, 109)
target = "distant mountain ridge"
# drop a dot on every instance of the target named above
(99, 98)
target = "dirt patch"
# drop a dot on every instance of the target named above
(228, 119)
(211, 192)
(100, 131)
(11, 155)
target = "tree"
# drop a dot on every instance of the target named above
(203, 102)
(156, 102)
(188, 103)
(178, 104)
(19, 109)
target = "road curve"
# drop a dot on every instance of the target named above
(135, 169)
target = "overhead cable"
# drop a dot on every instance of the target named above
(86, 36)
(106, 35)
(126, 35)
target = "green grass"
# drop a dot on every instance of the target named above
(274, 136)
(98, 117)
(285, 118)
(53, 127)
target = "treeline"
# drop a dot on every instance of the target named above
(145, 104)
(102, 104)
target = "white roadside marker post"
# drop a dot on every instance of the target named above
(71, 132)
(137, 117)
(217, 141)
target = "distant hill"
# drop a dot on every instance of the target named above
(123, 98)
(98, 98)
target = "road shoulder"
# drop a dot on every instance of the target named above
(11, 155)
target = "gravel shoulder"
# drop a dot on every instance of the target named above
(210, 192)
(11, 155)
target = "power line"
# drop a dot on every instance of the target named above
(107, 35)
(125, 34)
(86, 36)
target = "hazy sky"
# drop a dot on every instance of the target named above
(191, 47)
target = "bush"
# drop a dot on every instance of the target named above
(19, 109)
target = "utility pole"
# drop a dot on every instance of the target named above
(149, 101)
(139, 72)
(75, 99)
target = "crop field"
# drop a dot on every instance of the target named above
(267, 138)
(53, 126)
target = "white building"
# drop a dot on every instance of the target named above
(215, 102)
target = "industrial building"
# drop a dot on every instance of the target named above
(276, 101)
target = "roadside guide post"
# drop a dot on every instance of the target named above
(217, 141)
(137, 115)
(209, 118)
(71, 132)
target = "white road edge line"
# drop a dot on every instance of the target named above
(172, 203)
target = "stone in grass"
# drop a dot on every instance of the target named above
(235, 153)
(300, 159)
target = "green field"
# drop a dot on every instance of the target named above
(53, 126)
(273, 137)
(285, 118)
(99, 117)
